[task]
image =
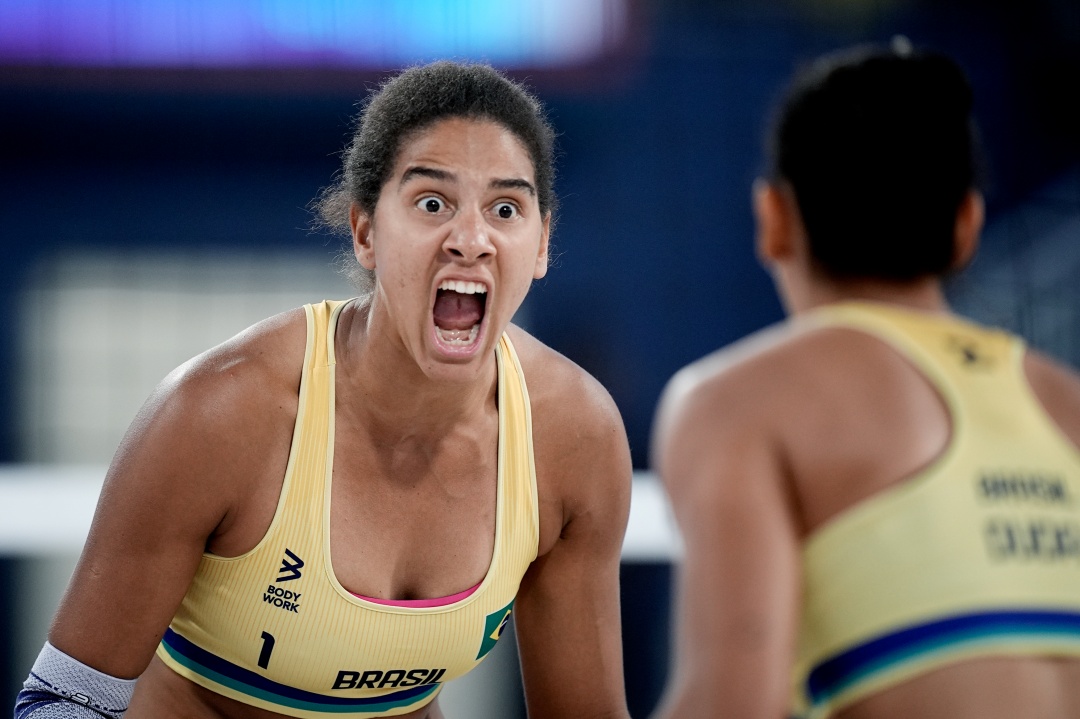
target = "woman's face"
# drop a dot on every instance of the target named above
(456, 239)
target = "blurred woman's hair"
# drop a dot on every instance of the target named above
(879, 147)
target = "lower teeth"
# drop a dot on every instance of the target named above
(459, 337)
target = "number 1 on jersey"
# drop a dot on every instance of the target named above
(267, 648)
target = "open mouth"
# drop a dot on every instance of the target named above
(458, 312)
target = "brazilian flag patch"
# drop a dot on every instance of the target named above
(494, 624)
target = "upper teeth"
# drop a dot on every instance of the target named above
(465, 288)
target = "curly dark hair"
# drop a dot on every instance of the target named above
(879, 145)
(412, 101)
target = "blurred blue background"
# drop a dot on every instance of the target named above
(201, 130)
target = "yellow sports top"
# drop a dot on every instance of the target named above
(978, 554)
(275, 629)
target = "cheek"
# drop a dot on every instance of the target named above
(398, 265)
(524, 272)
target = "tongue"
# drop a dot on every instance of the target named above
(456, 311)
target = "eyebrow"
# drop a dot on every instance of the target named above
(421, 171)
(512, 183)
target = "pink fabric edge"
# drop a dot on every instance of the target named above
(433, 602)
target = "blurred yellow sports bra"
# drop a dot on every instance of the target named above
(978, 554)
(275, 629)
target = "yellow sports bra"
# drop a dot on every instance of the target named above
(275, 629)
(978, 554)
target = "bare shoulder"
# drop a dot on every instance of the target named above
(729, 384)
(1057, 388)
(268, 350)
(208, 427)
(570, 406)
(582, 455)
(777, 373)
(255, 370)
(760, 390)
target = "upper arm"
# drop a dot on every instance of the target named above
(147, 535)
(738, 582)
(177, 478)
(567, 613)
(1058, 390)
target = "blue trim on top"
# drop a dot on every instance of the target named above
(30, 700)
(38, 693)
(841, 671)
(198, 658)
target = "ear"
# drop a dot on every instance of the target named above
(362, 237)
(776, 220)
(969, 223)
(542, 255)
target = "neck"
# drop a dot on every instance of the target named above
(924, 294)
(391, 396)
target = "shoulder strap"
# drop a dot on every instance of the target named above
(517, 465)
(965, 362)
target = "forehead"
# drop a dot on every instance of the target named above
(480, 148)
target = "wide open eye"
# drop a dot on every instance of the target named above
(430, 204)
(506, 210)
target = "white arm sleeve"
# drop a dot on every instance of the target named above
(62, 687)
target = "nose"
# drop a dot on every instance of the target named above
(469, 238)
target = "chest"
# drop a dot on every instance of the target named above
(416, 517)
